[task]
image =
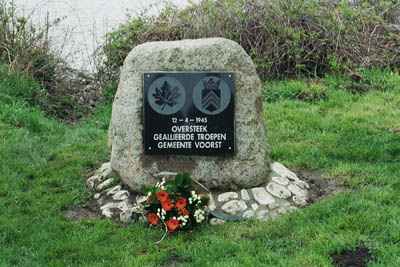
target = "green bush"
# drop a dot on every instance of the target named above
(26, 47)
(25, 50)
(285, 38)
(19, 86)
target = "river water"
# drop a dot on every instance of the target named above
(85, 22)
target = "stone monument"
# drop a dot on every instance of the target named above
(190, 106)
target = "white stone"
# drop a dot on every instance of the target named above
(248, 167)
(262, 215)
(248, 214)
(105, 169)
(297, 191)
(278, 190)
(107, 213)
(93, 180)
(105, 184)
(96, 196)
(113, 190)
(283, 171)
(126, 216)
(227, 196)
(141, 199)
(302, 184)
(102, 173)
(299, 201)
(216, 221)
(234, 207)
(280, 180)
(254, 206)
(245, 195)
(261, 196)
(124, 206)
(121, 195)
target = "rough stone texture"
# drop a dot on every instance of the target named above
(302, 184)
(113, 190)
(262, 215)
(273, 206)
(248, 214)
(280, 180)
(278, 190)
(234, 207)
(118, 203)
(99, 176)
(299, 201)
(227, 196)
(297, 191)
(283, 171)
(104, 184)
(268, 201)
(262, 196)
(244, 194)
(248, 167)
(121, 195)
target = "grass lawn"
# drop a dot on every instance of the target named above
(314, 125)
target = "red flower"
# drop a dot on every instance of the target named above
(172, 224)
(153, 218)
(183, 212)
(167, 204)
(181, 203)
(162, 195)
(149, 199)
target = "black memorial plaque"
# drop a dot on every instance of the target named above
(189, 113)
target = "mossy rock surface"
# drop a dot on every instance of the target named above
(249, 166)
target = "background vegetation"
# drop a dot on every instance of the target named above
(336, 112)
(285, 38)
(27, 50)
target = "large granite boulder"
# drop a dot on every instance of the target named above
(248, 167)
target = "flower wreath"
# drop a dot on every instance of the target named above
(175, 204)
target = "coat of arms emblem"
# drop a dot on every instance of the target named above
(211, 95)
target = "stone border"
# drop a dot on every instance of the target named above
(283, 193)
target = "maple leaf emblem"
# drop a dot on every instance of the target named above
(166, 96)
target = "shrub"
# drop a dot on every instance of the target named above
(26, 47)
(285, 38)
(26, 50)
